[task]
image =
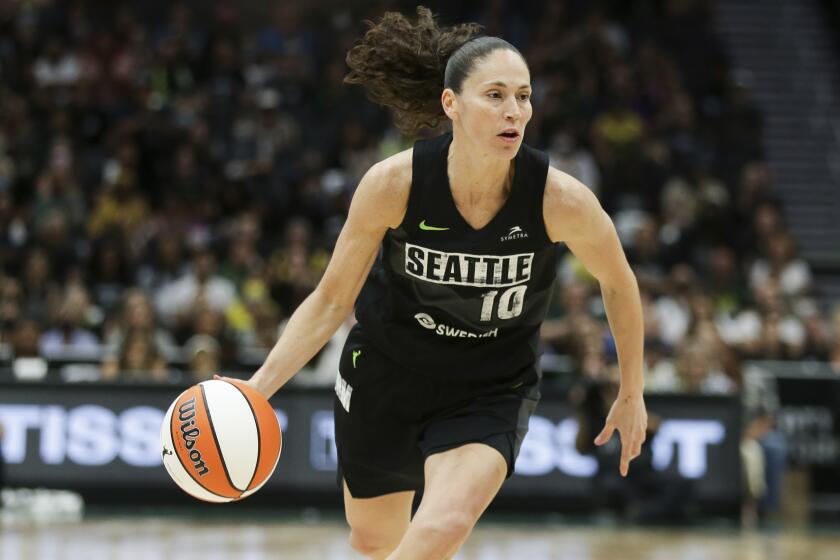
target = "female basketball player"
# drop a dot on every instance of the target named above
(439, 377)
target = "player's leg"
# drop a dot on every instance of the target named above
(460, 484)
(377, 525)
(376, 439)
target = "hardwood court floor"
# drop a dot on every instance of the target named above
(129, 538)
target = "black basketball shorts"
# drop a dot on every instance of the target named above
(388, 420)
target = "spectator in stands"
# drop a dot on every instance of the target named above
(138, 360)
(818, 342)
(567, 154)
(561, 332)
(660, 371)
(294, 271)
(781, 264)
(700, 371)
(777, 333)
(165, 264)
(38, 287)
(590, 356)
(177, 301)
(26, 360)
(14, 229)
(120, 204)
(211, 323)
(110, 271)
(763, 447)
(56, 189)
(10, 306)
(203, 357)
(673, 308)
(766, 223)
(702, 327)
(752, 194)
(835, 345)
(703, 332)
(55, 238)
(58, 66)
(724, 283)
(69, 338)
(679, 208)
(138, 315)
(242, 259)
(253, 318)
(646, 257)
(766, 330)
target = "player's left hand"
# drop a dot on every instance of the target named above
(247, 382)
(628, 415)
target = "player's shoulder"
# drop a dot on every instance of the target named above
(565, 193)
(394, 171)
(567, 204)
(387, 185)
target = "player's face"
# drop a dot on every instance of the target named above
(494, 104)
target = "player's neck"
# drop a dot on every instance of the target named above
(476, 176)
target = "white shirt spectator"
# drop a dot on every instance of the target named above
(747, 326)
(717, 383)
(795, 278)
(662, 378)
(64, 71)
(580, 164)
(674, 318)
(178, 298)
(80, 343)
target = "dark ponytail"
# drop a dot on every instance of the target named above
(406, 65)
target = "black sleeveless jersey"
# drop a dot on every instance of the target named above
(446, 300)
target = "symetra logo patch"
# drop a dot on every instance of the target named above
(463, 269)
(515, 232)
(440, 329)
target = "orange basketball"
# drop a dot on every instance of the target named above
(221, 440)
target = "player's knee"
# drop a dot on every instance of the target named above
(372, 543)
(448, 528)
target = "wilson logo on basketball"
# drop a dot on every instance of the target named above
(189, 433)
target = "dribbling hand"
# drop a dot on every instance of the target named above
(628, 415)
(247, 382)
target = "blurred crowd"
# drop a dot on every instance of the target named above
(173, 176)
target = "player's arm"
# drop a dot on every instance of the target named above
(574, 216)
(379, 203)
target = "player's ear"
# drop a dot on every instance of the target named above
(449, 101)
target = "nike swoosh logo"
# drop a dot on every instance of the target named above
(356, 354)
(424, 227)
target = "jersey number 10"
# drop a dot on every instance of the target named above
(510, 303)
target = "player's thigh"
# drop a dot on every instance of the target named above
(378, 521)
(461, 483)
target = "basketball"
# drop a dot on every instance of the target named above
(220, 441)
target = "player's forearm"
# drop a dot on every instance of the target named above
(309, 328)
(624, 312)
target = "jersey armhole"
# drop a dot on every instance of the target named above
(414, 190)
(541, 166)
